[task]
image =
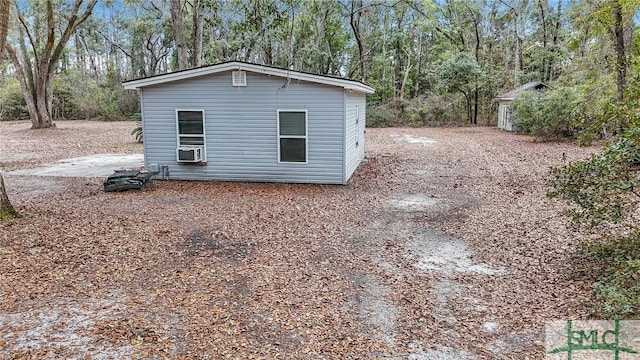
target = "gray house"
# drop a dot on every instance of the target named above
(239, 121)
(505, 107)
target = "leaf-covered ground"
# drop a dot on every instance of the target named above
(442, 246)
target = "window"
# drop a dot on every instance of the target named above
(190, 127)
(292, 136)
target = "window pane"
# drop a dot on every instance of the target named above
(189, 140)
(292, 123)
(293, 150)
(190, 122)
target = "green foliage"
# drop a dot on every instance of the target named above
(615, 265)
(8, 215)
(548, 114)
(79, 97)
(12, 104)
(111, 97)
(137, 131)
(601, 192)
(434, 110)
(598, 117)
(602, 188)
(65, 97)
(381, 116)
(7, 211)
(459, 73)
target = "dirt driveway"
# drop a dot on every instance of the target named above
(442, 246)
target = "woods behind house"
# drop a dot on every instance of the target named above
(430, 62)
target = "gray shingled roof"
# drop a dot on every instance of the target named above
(533, 85)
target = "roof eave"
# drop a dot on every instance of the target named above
(344, 83)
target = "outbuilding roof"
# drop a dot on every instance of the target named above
(250, 67)
(511, 95)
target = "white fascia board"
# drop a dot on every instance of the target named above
(346, 84)
(161, 79)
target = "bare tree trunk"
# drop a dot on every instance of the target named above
(384, 56)
(35, 75)
(476, 99)
(405, 78)
(355, 15)
(81, 62)
(178, 31)
(621, 58)
(543, 19)
(621, 62)
(35, 94)
(416, 87)
(518, 51)
(5, 6)
(519, 39)
(197, 32)
(468, 105)
(556, 32)
(6, 209)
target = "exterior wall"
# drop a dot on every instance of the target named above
(355, 109)
(241, 128)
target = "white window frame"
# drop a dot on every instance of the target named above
(204, 132)
(305, 137)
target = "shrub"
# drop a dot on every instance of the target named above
(137, 131)
(433, 110)
(615, 265)
(602, 197)
(547, 115)
(381, 116)
(78, 96)
(602, 187)
(12, 105)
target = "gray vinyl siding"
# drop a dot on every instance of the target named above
(241, 128)
(354, 132)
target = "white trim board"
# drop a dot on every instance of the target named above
(241, 66)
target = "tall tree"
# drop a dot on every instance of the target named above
(318, 37)
(459, 74)
(178, 31)
(355, 15)
(621, 56)
(7, 210)
(40, 43)
(198, 23)
(5, 6)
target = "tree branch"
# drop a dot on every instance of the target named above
(51, 37)
(112, 43)
(72, 24)
(29, 36)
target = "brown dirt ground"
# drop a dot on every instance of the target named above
(442, 246)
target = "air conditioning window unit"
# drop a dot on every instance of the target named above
(190, 154)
